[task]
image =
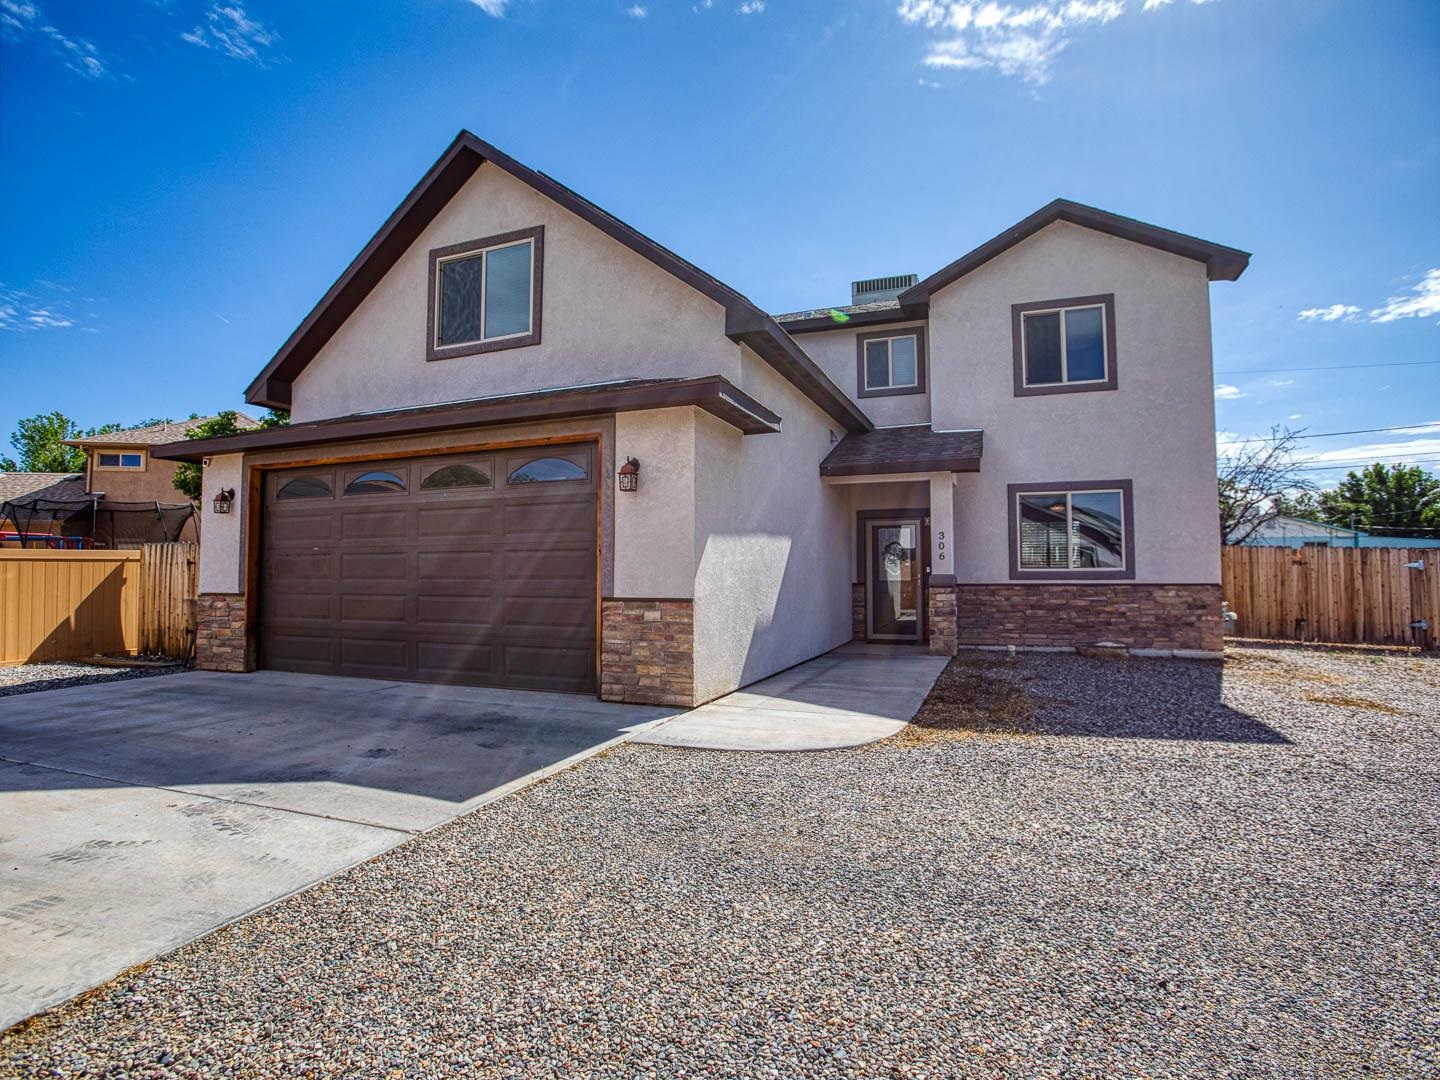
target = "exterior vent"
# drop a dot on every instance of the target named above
(880, 288)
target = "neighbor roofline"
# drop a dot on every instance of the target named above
(1221, 263)
(459, 162)
(712, 393)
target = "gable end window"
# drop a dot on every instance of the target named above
(890, 362)
(119, 460)
(1075, 531)
(1064, 346)
(484, 295)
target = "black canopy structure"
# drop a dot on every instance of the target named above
(85, 522)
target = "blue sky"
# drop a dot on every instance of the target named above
(181, 180)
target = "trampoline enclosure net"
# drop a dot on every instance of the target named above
(103, 523)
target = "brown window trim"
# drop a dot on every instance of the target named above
(142, 467)
(918, 332)
(1017, 335)
(472, 348)
(1127, 503)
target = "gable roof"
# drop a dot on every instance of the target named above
(157, 434)
(1221, 263)
(911, 449)
(744, 322)
(47, 485)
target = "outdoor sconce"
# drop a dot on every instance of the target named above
(630, 475)
(223, 498)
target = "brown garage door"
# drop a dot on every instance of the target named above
(473, 568)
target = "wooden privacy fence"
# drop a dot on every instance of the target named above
(67, 605)
(1338, 594)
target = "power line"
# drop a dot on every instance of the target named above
(1327, 367)
(1366, 464)
(1433, 424)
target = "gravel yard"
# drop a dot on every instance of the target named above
(28, 678)
(1069, 867)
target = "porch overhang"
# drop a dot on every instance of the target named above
(712, 393)
(914, 449)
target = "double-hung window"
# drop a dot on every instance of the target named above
(1063, 346)
(891, 362)
(1079, 531)
(485, 295)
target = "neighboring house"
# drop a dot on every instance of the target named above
(1018, 449)
(1282, 530)
(34, 485)
(119, 464)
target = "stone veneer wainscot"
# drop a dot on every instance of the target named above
(647, 651)
(1140, 616)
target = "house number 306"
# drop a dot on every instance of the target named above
(940, 546)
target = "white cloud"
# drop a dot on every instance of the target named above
(228, 29)
(1281, 382)
(1020, 39)
(752, 7)
(492, 7)
(21, 311)
(20, 21)
(1295, 416)
(1226, 392)
(1423, 303)
(1333, 313)
(635, 11)
(1403, 450)
(1151, 5)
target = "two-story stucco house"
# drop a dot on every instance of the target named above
(1017, 449)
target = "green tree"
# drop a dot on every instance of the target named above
(1396, 499)
(41, 442)
(188, 474)
(1300, 504)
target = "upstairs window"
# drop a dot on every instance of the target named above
(118, 460)
(891, 362)
(1064, 346)
(485, 295)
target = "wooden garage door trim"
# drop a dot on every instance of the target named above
(258, 492)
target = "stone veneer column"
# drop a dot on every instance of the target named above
(857, 611)
(220, 643)
(940, 618)
(647, 651)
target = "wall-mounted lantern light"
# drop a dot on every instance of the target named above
(223, 498)
(630, 475)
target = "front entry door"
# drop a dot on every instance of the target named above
(896, 593)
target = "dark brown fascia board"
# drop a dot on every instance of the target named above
(459, 162)
(1222, 263)
(886, 468)
(764, 336)
(909, 313)
(712, 393)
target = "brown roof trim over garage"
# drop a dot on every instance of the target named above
(713, 393)
(913, 449)
(744, 322)
(1221, 263)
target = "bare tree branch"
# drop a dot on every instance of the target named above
(1252, 476)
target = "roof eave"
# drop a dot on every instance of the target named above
(1221, 263)
(712, 393)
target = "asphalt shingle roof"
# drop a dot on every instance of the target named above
(905, 449)
(844, 309)
(158, 434)
(48, 485)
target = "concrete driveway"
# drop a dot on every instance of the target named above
(137, 816)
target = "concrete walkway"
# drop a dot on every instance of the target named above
(855, 695)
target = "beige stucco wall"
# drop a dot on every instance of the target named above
(885, 495)
(835, 352)
(655, 525)
(222, 539)
(154, 483)
(1157, 428)
(607, 313)
(771, 542)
